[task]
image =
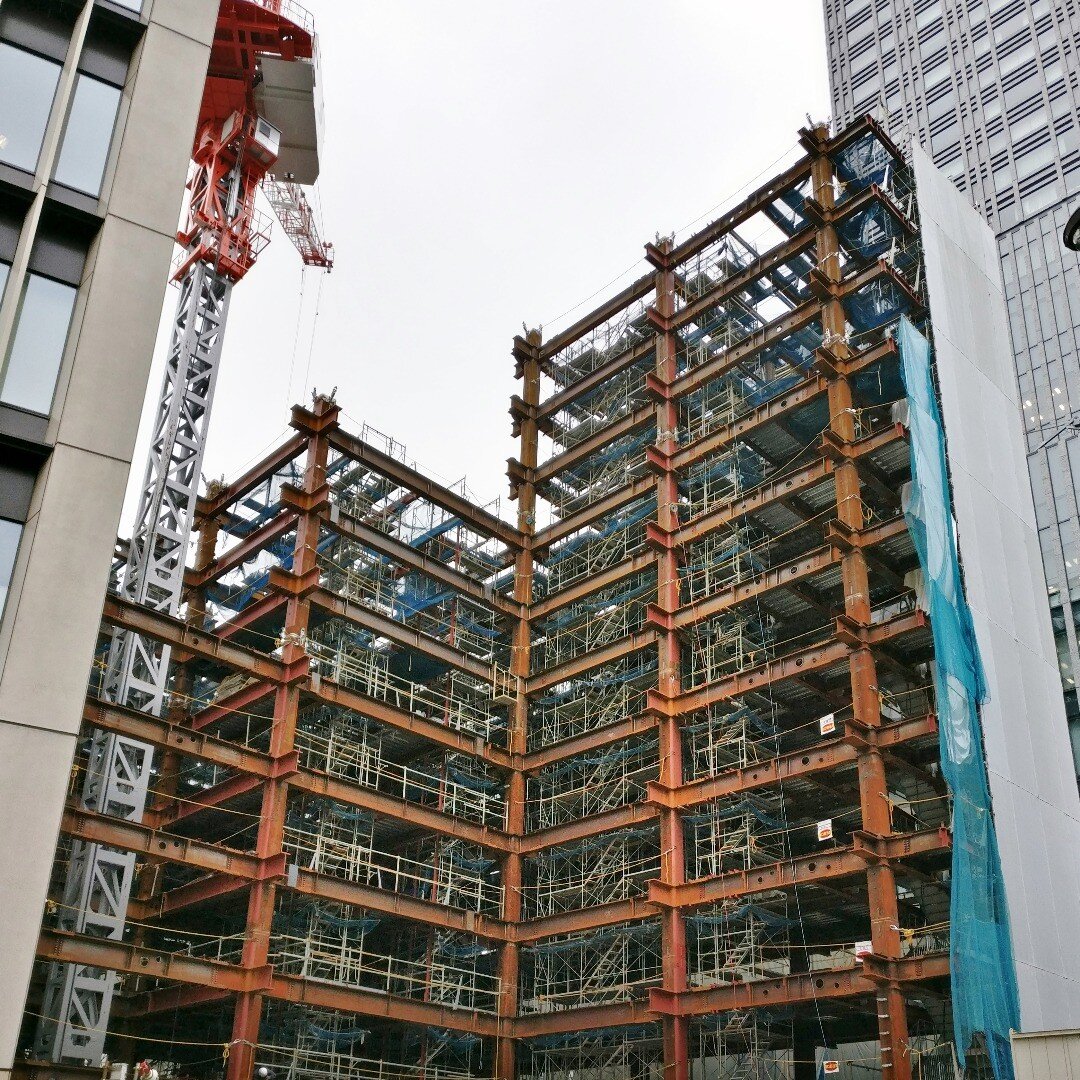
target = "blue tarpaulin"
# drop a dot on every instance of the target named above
(984, 993)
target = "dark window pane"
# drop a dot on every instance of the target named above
(27, 89)
(10, 531)
(37, 347)
(88, 135)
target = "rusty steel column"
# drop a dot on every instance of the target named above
(866, 703)
(527, 355)
(672, 854)
(310, 502)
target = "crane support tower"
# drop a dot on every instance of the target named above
(259, 127)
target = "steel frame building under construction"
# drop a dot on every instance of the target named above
(649, 785)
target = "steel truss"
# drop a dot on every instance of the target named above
(96, 891)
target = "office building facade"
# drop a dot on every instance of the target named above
(990, 89)
(98, 101)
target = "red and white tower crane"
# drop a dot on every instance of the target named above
(259, 129)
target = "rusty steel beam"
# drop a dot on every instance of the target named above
(862, 980)
(635, 909)
(765, 264)
(632, 643)
(202, 890)
(791, 483)
(794, 764)
(634, 291)
(580, 589)
(252, 613)
(211, 507)
(764, 196)
(778, 577)
(127, 959)
(786, 485)
(367, 455)
(237, 555)
(384, 902)
(405, 555)
(155, 844)
(164, 735)
(625, 425)
(768, 412)
(775, 409)
(596, 739)
(67, 948)
(238, 703)
(210, 798)
(607, 370)
(818, 866)
(795, 570)
(776, 330)
(621, 817)
(811, 658)
(589, 1018)
(397, 809)
(169, 631)
(545, 538)
(332, 693)
(235, 868)
(170, 1000)
(383, 626)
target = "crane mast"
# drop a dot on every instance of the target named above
(235, 149)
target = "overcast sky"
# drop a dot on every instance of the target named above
(488, 164)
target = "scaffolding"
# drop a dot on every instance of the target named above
(629, 1053)
(590, 784)
(748, 1044)
(605, 694)
(610, 541)
(586, 969)
(599, 870)
(553, 797)
(726, 644)
(338, 841)
(599, 619)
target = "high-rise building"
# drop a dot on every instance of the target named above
(989, 88)
(98, 101)
(687, 773)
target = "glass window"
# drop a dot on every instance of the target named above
(4, 268)
(27, 88)
(10, 531)
(131, 5)
(87, 135)
(37, 346)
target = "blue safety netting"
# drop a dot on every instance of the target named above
(984, 993)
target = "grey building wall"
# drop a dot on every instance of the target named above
(1047, 1055)
(1035, 799)
(89, 202)
(991, 89)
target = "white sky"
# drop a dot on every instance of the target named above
(487, 164)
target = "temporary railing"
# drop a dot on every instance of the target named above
(592, 783)
(595, 968)
(598, 870)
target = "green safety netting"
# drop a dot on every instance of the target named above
(984, 994)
